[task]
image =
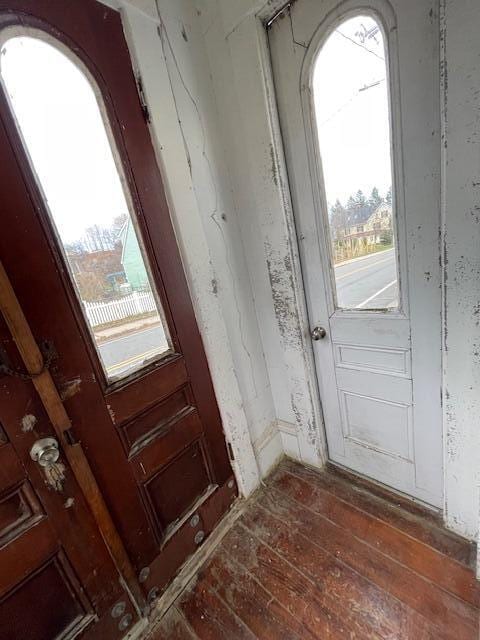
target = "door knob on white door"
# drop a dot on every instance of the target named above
(318, 333)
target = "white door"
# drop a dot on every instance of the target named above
(358, 98)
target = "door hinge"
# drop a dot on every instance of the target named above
(143, 101)
(231, 455)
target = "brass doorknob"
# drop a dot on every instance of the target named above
(318, 333)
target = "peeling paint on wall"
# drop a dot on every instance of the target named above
(461, 261)
(280, 273)
(274, 168)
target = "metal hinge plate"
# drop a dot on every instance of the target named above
(278, 14)
(143, 101)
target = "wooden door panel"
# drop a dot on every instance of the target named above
(35, 574)
(11, 471)
(166, 445)
(137, 396)
(170, 499)
(189, 533)
(54, 600)
(380, 352)
(19, 510)
(156, 422)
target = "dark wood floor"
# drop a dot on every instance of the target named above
(317, 555)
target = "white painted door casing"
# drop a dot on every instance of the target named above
(379, 373)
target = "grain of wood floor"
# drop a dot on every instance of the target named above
(322, 555)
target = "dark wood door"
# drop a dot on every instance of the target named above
(148, 422)
(57, 579)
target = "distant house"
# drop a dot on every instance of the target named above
(369, 232)
(99, 274)
(132, 259)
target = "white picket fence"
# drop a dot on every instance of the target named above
(135, 304)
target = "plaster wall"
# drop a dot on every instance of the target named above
(461, 262)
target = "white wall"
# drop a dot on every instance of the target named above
(206, 76)
(461, 221)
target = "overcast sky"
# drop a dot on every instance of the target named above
(60, 120)
(353, 124)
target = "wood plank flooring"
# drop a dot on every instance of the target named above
(324, 555)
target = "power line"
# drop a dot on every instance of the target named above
(355, 95)
(371, 85)
(358, 44)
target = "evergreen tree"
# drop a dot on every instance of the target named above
(360, 198)
(374, 201)
(351, 204)
(338, 218)
(358, 206)
(388, 197)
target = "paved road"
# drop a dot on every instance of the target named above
(368, 283)
(128, 352)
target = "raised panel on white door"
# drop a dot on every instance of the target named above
(372, 358)
(375, 385)
(393, 471)
(379, 424)
(373, 329)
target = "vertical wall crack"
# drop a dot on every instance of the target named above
(165, 42)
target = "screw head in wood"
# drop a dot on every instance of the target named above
(195, 520)
(118, 609)
(153, 594)
(199, 537)
(144, 573)
(125, 622)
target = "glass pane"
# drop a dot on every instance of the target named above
(350, 86)
(71, 151)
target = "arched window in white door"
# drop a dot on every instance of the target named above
(352, 105)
